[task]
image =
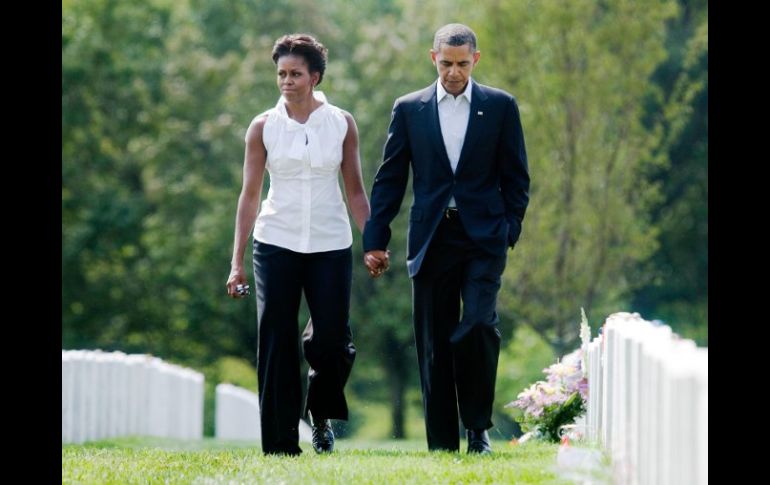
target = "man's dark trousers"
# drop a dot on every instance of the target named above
(457, 357)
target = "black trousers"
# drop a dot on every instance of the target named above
(281, 276)
(457, 356)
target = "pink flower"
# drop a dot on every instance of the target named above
(560, 399)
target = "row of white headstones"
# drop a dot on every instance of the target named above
(113, 394)
(648, 402)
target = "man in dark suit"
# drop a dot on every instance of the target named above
(465, 145)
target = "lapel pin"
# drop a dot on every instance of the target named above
(480, 113)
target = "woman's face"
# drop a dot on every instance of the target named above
(294, 79)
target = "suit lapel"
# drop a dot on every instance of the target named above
(429, 110)
(475, 124)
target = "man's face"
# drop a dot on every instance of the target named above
(454, 64)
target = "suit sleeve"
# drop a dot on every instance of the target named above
(389, 183)
(514, 182)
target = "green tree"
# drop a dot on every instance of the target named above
(678, 289)
(107, 95)
(580, 71)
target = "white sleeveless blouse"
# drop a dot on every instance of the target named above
(304, 210)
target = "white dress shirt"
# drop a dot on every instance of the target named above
(304, 210)
(453, 114)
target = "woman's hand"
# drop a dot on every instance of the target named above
(237, 277)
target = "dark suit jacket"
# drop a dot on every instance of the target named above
(490, 185)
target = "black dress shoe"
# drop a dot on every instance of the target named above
(478, 442)
(323, 436)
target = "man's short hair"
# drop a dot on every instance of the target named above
(454, 34)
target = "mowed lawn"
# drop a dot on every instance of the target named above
(148, 460)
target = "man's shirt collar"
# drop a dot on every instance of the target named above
(441, 93)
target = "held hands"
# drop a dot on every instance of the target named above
(377, 262)
(237, 286)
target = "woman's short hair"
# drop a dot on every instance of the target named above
(305, 46)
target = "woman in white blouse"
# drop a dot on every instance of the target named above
(302, 243)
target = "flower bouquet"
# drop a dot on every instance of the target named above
(560, 400)
(549, 405)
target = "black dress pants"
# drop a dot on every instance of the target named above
(457, 356)
(281, 276)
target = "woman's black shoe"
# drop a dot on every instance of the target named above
(323, 436)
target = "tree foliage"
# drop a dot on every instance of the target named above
(580, 71)
(677, 274)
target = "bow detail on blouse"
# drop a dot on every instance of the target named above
(305, 135)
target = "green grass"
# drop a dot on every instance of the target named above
(140, 460)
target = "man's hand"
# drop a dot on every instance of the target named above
(377, 262)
